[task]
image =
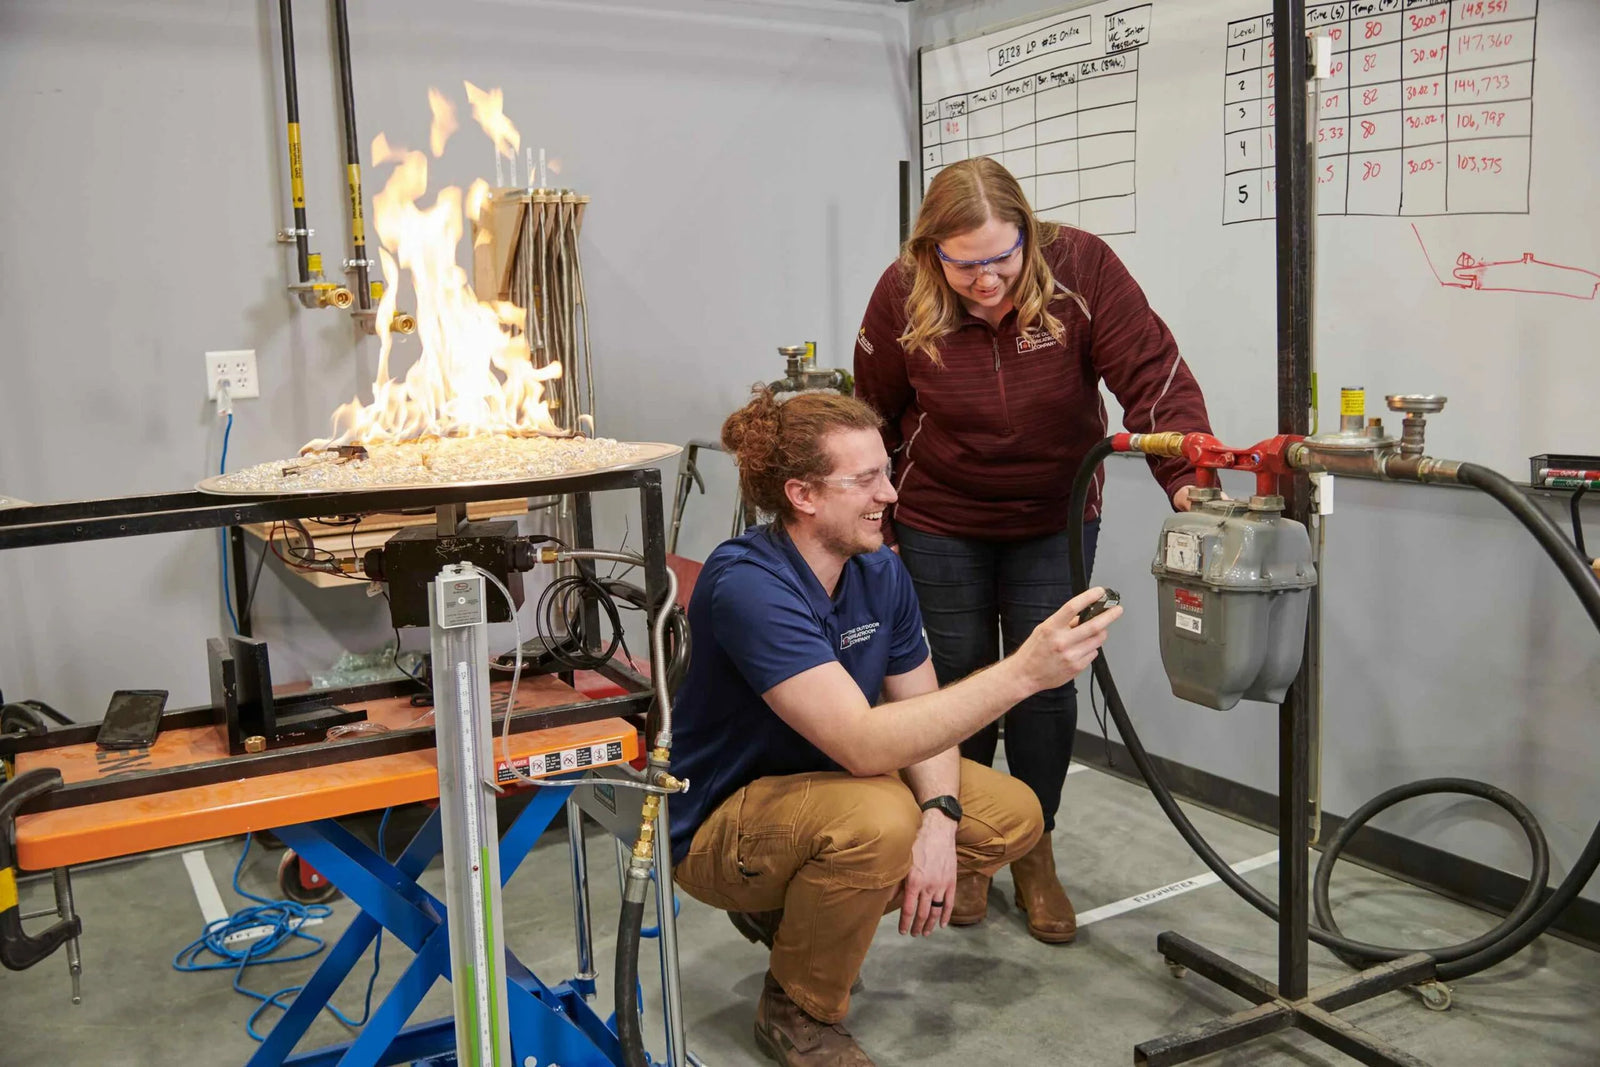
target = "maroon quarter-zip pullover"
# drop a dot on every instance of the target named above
(986, 445)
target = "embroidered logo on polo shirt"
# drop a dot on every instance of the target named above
(861, 339)
(1030, 342)
(856, 635)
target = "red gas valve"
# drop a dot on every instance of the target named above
(1268, 459)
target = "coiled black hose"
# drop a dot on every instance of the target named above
(1528, 919)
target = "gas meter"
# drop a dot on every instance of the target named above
(1233, 583)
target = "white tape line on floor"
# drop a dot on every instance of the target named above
(1200, 881)
(205, 887)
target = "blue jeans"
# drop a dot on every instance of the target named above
(980, 600)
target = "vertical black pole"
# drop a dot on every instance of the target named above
(297, 181)
(240, 577)
(654, 534)
(583, 533)
(905, 201)
(352, 153)
(1294, 231)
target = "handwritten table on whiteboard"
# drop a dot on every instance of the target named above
(1429, 110)
(1067, 133)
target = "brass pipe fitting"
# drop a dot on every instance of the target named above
(644, 847)
(403, 322)
(333, 296)
(1169, 443)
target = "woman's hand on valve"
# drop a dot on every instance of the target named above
(1181, 499)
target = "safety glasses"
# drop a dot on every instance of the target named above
(971, 268)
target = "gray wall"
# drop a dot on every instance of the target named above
(1452, 646)
(742, 159)
(741, 156)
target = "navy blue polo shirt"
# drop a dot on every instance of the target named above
(758, 617)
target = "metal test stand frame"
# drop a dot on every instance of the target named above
(555, 1019)
(1289, 1004)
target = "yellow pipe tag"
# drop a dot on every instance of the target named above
(357, 226)
(1353, 402)
(314, 263)
(8, 888)
(297, 181)
(376, 289)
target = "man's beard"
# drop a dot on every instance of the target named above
(840, 544)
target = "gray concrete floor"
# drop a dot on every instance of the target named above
(986, 994)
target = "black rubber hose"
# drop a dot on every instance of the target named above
(1586, 584)
(1525, 906)
(1507, 938)
(1576, 507)
(627, 984)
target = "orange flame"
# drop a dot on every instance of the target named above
(474, 375)
(444, 122)
(487, 109)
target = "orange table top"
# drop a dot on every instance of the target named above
(183, 816)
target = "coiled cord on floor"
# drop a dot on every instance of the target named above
(1529, 918)
(284, 919)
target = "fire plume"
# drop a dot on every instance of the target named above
(474, 375)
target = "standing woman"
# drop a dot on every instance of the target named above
(983, 348)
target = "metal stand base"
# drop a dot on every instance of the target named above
(1312, 1013)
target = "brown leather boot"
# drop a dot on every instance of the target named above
(1039, 894)
(972, 899)
(786, 1033)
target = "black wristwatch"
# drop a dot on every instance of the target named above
(946, 804)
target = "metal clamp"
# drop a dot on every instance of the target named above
(290, 236)
(18, 951)
(352, 264)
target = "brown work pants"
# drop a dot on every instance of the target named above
(832, 850)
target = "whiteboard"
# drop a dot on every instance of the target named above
(1457, 249)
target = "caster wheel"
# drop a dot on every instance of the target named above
(302, 883)
(1435, 996)
(1178, 970)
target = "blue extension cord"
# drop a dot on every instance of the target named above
(284, 917)
(227, 591)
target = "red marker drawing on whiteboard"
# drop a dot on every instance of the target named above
(1525, 275)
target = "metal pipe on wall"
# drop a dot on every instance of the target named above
(352, 156)
(297, 182)
(311, 288)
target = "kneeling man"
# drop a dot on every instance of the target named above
(827, 785)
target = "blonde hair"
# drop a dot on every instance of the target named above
(773, 442)
(961, 198)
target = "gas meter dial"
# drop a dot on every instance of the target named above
(1183, 551)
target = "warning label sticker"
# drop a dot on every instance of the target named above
(565, 760)
(1191, 610)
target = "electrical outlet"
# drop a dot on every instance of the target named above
(238, 367)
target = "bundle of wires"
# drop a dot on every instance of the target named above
(305, 555)
(283, 920)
